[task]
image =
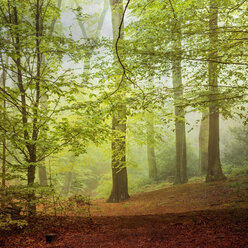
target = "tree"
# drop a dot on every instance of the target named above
(203, 144)
(41, 166)
(214, 165)
(152, 166)
(32, 132)
(181, 156)
(119, 170)
(3, 79)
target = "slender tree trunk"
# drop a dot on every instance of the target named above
(203, 144)
(67, 183)
(35, 129)
(42, 175)
(214, 165)
(150, 147)
(31, 178)
(181, 156)
(26, 136)
(119, 171)
(41, 168)
(4, 78)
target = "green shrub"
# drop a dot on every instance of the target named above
(104, 186)
(166, 160)
(235, 170)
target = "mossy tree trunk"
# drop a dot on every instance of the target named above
(214, 172)
(181, 156)
(119, 170)
(203, 144)
(4, 78)
(42, 175)
(42, 168)
(152, 165)
(67, 183)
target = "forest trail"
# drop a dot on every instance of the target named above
(189, 216)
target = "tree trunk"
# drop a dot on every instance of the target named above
(4, 78)
(203, 144)
(67, 183)
(150, 147)
(31, 178)
(32, 146)
(119, 171)
(214, 165)
(42, 175)
(181, 156)
(42, 168)
(31, 161)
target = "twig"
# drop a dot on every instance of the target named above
(173, 10)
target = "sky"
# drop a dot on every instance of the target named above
(69, 21)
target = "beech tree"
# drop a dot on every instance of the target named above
(119, 170)
(29, 128)
(152, 165)
(214, 165)
(41, 167)
(203, 144)
(3, 80)
(181, 155)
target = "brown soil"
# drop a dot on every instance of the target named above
(191, 215)
(232, 193)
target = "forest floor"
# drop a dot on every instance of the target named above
(191, 215)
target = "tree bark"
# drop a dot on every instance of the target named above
(203, 144)
(42, 169)
(67, 183)
(214, 165)
(152, 165)
(181, 156)
(4, 78)
(35, 130)
(26, 136)
(119, 171)
(42, 175)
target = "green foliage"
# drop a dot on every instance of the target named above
(166, 159)
(143, 184)
(14, 204)
(104, 186)
(235, 171)
(6, 222)
(235, 152)
(60, 116)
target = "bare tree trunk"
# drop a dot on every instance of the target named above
(119, 171)
(203, 144)
(181, 156)
(214, 165)
(152, 165)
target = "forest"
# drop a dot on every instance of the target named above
(123, 123)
